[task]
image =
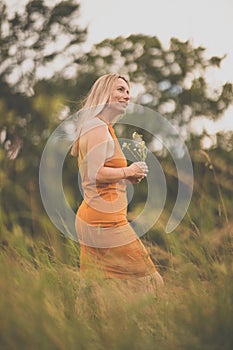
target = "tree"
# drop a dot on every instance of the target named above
(171, 81)
(31, 44)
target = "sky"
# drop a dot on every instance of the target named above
(205, 22)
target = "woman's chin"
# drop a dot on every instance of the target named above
(120, 109)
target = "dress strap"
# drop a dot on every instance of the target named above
(111, 130)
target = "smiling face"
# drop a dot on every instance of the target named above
(119, 97)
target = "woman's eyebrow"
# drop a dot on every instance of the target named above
(122, 87)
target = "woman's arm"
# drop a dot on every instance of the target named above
(135, 172)
(97, 147)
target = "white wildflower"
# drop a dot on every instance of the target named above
(139, 150)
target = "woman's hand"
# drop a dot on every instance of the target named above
(136, 171)
(133, 180)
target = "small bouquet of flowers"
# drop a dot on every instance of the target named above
(137, 147)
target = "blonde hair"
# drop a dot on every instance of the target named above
(95, 102)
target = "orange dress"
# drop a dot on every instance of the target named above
(108, 243)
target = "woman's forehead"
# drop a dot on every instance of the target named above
(121, 81)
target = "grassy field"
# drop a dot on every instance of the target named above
(46, 305)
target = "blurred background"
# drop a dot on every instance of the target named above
(178, 58)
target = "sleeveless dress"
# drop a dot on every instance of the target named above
(108, 244)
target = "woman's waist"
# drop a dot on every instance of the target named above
(109, 203)
(116, 162)
(95, 216)
(104, 189)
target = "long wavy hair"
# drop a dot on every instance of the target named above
(95, 102)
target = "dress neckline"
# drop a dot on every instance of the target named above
(103, 120)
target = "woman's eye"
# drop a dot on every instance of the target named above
(120, 88)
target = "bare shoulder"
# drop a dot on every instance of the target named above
(95, 127)
(95, 133)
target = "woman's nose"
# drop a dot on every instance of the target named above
(126, 96)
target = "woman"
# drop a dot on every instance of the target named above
(108, 243)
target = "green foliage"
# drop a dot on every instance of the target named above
(25, 41)
(29, 42)
(173, 76)
(46, 303)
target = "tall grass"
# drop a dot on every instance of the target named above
(45, 304)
